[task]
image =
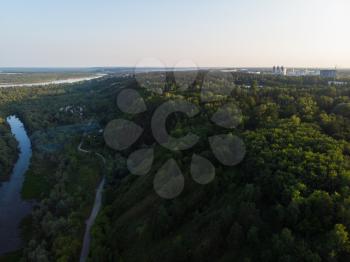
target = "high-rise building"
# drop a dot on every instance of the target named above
(279, 70)
(328, 73)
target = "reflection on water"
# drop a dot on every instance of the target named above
(12, 208)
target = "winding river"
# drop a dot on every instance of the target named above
(12, 208)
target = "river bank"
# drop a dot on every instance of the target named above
(9, 150)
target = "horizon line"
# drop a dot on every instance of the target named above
(170, 67)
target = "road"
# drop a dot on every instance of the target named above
(96, 207)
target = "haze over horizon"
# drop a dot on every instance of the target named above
(230, 34)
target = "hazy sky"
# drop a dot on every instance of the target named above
(42, 33)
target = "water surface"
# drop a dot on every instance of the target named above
(54, 82)
(12, 208)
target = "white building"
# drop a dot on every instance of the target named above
(279, 70)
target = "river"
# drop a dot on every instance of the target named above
(55, 82)
(12, 208)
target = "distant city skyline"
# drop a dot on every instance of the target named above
(226, 33)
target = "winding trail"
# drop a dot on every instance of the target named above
(96, 207)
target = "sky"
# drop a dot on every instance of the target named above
(205, 33)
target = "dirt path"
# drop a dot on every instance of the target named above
(96, 207)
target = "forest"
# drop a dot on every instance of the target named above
(8, 149)
(287, 200)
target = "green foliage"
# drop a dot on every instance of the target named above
(8, 150)
(289, 200)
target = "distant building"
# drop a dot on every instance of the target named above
(279, 70)
(303, 72)
(328, 73)
(337, 83)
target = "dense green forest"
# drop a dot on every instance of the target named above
(288, 200)
(8, 149)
